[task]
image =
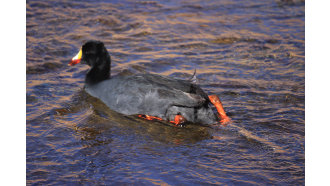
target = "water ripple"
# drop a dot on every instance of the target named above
(250, 53)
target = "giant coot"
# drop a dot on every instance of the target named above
(150, 95)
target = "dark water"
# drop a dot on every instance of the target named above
(250, 53)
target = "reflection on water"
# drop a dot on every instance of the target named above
(250, 53)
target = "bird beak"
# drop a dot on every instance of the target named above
(76, 59)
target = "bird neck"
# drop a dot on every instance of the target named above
(99, 72)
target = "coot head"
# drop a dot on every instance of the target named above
(94, 54)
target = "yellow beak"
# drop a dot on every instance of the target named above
(76, 59)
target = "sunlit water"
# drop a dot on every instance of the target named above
(250, 53)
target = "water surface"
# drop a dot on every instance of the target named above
(250, 53)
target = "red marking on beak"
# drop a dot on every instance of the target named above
(74, 62)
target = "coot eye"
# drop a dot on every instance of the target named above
(90, 53)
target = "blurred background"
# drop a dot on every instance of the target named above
(250, 53)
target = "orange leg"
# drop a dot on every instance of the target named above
(178, 119)
(218, 105)
(147, 117)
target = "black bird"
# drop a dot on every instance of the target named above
(150, 95)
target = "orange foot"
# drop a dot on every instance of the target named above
(218, 105)
(147, 117)
(178, 120)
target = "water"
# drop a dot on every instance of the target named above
(250, 53)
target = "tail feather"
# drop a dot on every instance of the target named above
(193, 78)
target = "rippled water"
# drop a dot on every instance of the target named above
(250, 53)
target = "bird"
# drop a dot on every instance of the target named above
(148, 95)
